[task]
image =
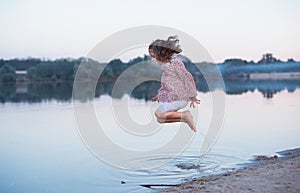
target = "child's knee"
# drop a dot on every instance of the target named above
(160, 120)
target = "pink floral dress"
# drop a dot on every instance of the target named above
(176, 82)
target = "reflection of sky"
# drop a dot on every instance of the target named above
(262, 126)
(244, 29)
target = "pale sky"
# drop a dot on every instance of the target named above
(227, 29)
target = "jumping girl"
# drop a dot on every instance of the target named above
(177, 84)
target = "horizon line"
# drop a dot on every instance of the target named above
(76, 58)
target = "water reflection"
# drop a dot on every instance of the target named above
(41, 150)
(268, 87)
(62, 91)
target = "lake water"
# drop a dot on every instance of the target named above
(42, 150)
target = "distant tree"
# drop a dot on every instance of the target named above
(64, 68)
(45, 70)
(2, 62)
(89, 69)
(32, 73)
(7, 73)
(135, 61)
(235, 61)
(268, 59)
(23, 64)
(147, 57)
(114, 68)
(7, 69)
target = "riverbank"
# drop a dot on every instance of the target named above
(264, 174)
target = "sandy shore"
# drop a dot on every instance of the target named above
(274, 174)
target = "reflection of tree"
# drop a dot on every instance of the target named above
(267, 87)
(7, 91)
(146, 90)
(62, 91)
(268, 94)
(36, 92)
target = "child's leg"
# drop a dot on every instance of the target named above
(174, 116)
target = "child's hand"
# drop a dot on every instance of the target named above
(193, 101)
(154, 99)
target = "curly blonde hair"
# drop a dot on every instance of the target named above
(163, 50)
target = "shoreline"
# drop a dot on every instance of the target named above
(263, 174)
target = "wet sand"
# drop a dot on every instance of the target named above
(265, 174)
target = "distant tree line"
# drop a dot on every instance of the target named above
(242, 68)
(66, 68)
(60, 69)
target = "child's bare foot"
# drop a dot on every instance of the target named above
(188, 118)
